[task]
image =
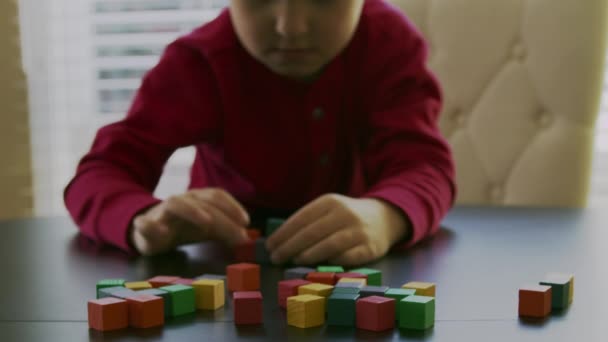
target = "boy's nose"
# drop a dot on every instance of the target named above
(291, 19)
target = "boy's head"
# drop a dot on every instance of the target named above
(295, 38)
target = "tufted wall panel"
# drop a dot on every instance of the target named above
(522, 81)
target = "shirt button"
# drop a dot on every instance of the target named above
(318, 113)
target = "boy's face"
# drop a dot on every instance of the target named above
(295, 38)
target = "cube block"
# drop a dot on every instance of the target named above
(535, 301)
(305, 311)
(398, 295)
(341, 309)
(272, 224)
(138, 285)
(374, 277)
(289, 288)
(351, 290)
(245, 252)
(298, 272)
(160, 281)
(247, 307)
(368, 291)
(262, 256)
(330, 269)
(561, 288)
(352, 275)
(162, 294)
(116, 292)
(106, 283)
(209, 294)
(417, 312)
(146, 311)
(182, 299)
(422, 289)
(322, 277)
(317, 289)
(107, 314)
(243, 277)
(375, 313)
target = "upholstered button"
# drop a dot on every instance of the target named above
(324, 159)
(497, 193)
(318, 113)
(544, 119)
(519, 52)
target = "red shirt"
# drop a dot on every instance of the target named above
(367, 127)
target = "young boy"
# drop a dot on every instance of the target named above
(322, 107)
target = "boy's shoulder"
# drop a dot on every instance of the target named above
(211, 38)
(383, 20)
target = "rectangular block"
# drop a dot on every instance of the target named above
(422, 289)
(146, 311)
(322, 277)
(330, 269)
(297, 272)
(289, 288)
(374, 277)
(341, 309)
(209, 294)
(535, 301)
(375, 313)
(243, 277)
(248, 307)
(305, 311)
(417, 312)
(182, 299)
(368, 291)
(107, 314)
(138, 285)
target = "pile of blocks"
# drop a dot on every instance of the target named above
(254, 250)
(554, 293)
(355, 298)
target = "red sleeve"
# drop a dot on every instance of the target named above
(407, 161)
(176, 106)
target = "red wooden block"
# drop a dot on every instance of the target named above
(146, 311)
(350, 275)
(160, 281)
(245, 252)
(535, 301)
(247, 307)
(288, 288)
(322, 277)
(243, 277)
(183, 281)
(375, 313)
(108, 314)
(254, 234)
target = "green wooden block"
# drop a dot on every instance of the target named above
(108, 283)
(330, 269)
(272, 224)
(182, 299)
(560, 291)
(341, 309)
(374, 277)
(417, 312)
(351, 290)
(398, 295)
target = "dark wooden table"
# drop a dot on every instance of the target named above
(479, 260)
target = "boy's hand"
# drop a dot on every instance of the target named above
(340, 230)
(197, 215)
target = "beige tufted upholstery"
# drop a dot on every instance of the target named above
(522, 82)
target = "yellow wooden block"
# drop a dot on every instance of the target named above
(316, 289)
(138, 285)
(209, 294)
(305, 311)
(422, 289)
(353, 280)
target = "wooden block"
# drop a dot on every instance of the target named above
(561, 289)
(116, 292)
(297, 272)
(182, 299)
(361, 281)
(160, 281)
(317, 289)
(368, 291)
(107, 314)
(243, 277)
(305, 311)
(162, 294)
(330, 269)
(398, 295)
(183, 281)
(422, 289)
(535, 301)
(351, 275)
(262, 256)
(375, 313)
(215, 277)
(272, 224)
(245, 252)
(106, 283)
(146, 311)
(209, 293)
(322, 277)
(254, 234)
(351, 290)
(247, 307)
(341, 309)
(374, 277)
(357, 285)
(417, 312)
(289, 288)
(138, 285)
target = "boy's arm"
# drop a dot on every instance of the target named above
(176, 106)
(407, 162)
